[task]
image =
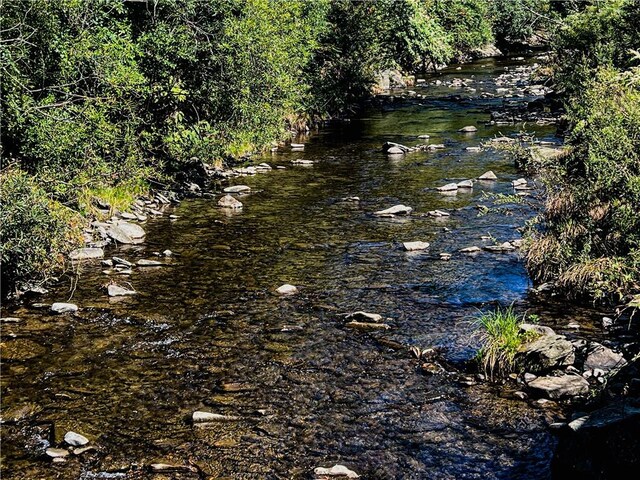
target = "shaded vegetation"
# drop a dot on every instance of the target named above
(99, 97)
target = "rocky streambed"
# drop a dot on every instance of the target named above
(310, 315)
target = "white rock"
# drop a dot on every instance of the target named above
(297, 146)
(237, 189)
(423, 137)
(437, 146)
(118, 291)
(75, 439)
(56, 452)
(468, 129)
(395, 210)
(167, 253)
(473, 149)
(336, 471)
(230, 202)
(60, 307)
(470, 249)
(488, 176)
(208, 417)
(286, 289)
(449, 187)
(412, 246)
(86, 253)
(395, 151)
(465, 184)
(148, 263)
(519, 182)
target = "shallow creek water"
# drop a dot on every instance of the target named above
(128, 373)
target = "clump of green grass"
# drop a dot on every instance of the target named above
(501, 338)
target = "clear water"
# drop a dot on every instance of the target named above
(129, 372)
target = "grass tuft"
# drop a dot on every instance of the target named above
(501, 338)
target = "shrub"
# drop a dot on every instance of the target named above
(36, 231)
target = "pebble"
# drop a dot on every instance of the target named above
(60, 307)
(287, 289)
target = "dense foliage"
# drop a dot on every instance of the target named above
(100, 96)
(588, 239)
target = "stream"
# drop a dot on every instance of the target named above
(207, 331)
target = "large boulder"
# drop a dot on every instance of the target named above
(604, 445)
(125, 232)
(559, 387)
(603, 358)
(545, 353)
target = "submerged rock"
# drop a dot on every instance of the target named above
(335, 471)
(468, 129)
(230, 202)
(367, 325)
(560, 387)
(61, 307)
(86, 253)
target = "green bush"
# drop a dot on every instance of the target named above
(588, 239)
(36, 231)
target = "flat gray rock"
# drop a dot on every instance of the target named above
(237, 189)
(75, 439)
(148, 263)
(465, 184)
(413, 246)
(490, 176)
(61, 307)
(449, 187)
(335, 471)
(56, 452)
(560, 387)
(208, 417)
(395, 210)
(603, 358)
(545, 353)
(125, 232)
(86, 253)
(118, 291)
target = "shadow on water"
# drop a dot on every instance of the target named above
(129, 373)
